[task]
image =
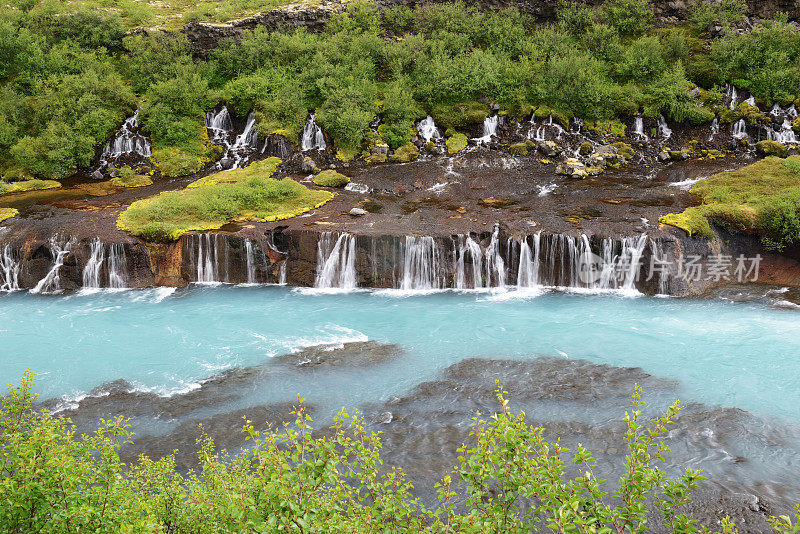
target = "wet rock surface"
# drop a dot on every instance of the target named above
(350, 354)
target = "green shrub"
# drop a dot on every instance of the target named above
(574, 16)
(330, 178)
(728, 12)
(628, 17)
(780, 222)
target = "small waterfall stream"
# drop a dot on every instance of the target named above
(251, 261)
(113, 257)
(663, 128)
(208, 255)
(336, 262)
(739, 129)
(421, 264)
(219, 123)
(428, 131)
(10, 266)
(732, 94)
(467, 248)
(490, 124)
(495, 266)
(126, 141)
(51, 283)
(528, 270)
(638, 129)
(313, 138)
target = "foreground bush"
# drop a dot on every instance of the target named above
(211, 202)
(289, 480)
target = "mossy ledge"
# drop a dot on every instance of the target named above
(248, 194)
(7, 213)
(762, 198)
(28, 185)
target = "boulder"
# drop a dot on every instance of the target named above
(772, 148)
(330, 178)
(307, 165)
(380, 149)
(585, 149)
(405, 153)
(572, 168)
(518, 149)
(549, 148)
(97, 175)
(357, 212)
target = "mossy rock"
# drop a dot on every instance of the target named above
(625, 150)
(28, 185)
(796, 125)
(679, 155)
(752, 115)
(714, 154)
(585, 149)
(405, 153)
(330, 178)
(456, 143)
(346, 154)
(7, 213)
(613, 128)
(461, 115)
(772, 148)
(518, 149)
(137, 180)
(376, 158)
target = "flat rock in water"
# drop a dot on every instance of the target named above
(350, 354)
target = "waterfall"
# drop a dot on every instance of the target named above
(220, 124)
(784, 133)
(632, 250)
(251, 261)
(548, 125)
(730, 92)
(638, 129)
(489, 129)
(51, 283)
(282, 272)
(117, 266)
(127, 141)
(420, 264)
(528, 271)
(9, 269)
(714, 128)
(428, 130)
(313, 138)
(751, 102)
(336, 262)
(663, 273)
(463, 247)
(663, 129)
(495, 266)
(739, 129)
(91, 273)
(204, 251)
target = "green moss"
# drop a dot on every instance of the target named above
(456, 143)
(752, 115)
(251, 195)
(625, 150)
(585, 149)
(137, 180)
(188, 159)
(519, 149)
(741, 199)
(796, 125)
(544, 112)
(29, 185)
(7, 213)
(613, 128)
(772, 148)
(405, 153)
(331, 178)
(346, 154)
(264, 168)
(461, 115)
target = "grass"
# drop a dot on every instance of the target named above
(7, 213)
(28, 185)
(175, 13)
(740, 199)
(248, 194)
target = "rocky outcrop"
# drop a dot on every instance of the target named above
(205, 36)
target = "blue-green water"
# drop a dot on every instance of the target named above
(723, 353)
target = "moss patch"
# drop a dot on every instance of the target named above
(625, 150)
(28, 185)
(331, 178)
(137, 180)
(772, 148)
(518, 149)
(613, 128)
(184, 160)
(742, 200)
(456, 143)
(7, 213)
(462, 115)
(241, 194)
(405, 153)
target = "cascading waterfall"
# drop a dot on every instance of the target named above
(313, 138)
(632, 250)
(420, 264)
(495, 266)
(91, 273)
(51, 283)
(204, 250)
(490, 124)
(781, 130)
(219, 123)
(127, 140)
(9, 269)
(663, 129)
(714, 128)
(428, 130)
(739, 129)
(117, 266)
(336, 262)
(751, 101)
(548, 125)
(528, 270)
(638, 129)
(730, 92)
(282, 272)
(251, 261)
(465, 247)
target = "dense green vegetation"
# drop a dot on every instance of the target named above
(213, 201)
(762, 198)
(70, 74)
(291, 480)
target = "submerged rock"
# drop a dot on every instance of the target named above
(347, 354)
